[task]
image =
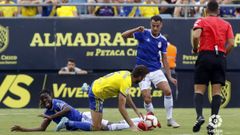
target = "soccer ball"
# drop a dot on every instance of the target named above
(151, 121)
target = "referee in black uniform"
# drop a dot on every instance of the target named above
(210, 34)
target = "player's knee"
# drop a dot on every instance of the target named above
(167, 92)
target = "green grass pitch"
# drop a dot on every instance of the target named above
(185, 117)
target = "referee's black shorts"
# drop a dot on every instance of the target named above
(210, 67)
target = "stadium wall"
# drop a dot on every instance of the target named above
(43, 45)
(22, 90)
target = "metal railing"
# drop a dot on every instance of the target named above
(185, 6)
(124, 4)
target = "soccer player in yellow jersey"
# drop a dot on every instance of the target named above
(114, 84)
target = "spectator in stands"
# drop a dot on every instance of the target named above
(8, 11)
(236, 1)
(148, 11)
(138, 10)
(49, 10)
(91, 8)
(180, 11)
(66, 11)
(167, 10)
(227, 11)
(130, 11)
(29, 11)
(106, 10)
(200, 11)
(71, 69)
(237, 12)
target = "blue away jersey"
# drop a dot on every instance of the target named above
(57, 106)
(149, 49)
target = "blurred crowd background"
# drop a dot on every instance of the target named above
(54, 9)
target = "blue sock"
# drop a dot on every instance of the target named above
(74, 125)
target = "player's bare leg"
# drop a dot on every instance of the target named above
(96, 120)
(198, 99)
(147, 97)
(168, 103)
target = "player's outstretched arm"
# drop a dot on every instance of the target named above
(133, 106)
(42, 127)
(129, 33)
(123, 111)
(65, 110)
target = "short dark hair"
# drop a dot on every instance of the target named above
(45, 91)
(156, 18)
(71, 60)
(140, 70)
(212, 6)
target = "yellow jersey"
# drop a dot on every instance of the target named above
(29, 11)
(66, 11)
(112, 84)
(171, 55)
(8, 11)
(148, 11)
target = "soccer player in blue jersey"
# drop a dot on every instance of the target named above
(65, 116)
(150, 44)
(55, 111)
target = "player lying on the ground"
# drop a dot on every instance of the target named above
(55, 111)
(58, 109)
(148, 123)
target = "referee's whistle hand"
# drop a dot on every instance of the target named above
(194, 51)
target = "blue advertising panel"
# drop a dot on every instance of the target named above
(22, 90)
(95, 44)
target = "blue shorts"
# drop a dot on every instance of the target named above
(95, 104)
